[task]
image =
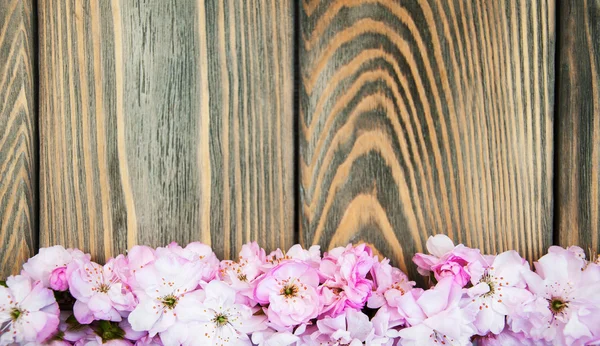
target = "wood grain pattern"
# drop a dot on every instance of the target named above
(166, 121)
(425, 117)
(578, 125)
(18, 154)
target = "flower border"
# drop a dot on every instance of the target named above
(177, 295)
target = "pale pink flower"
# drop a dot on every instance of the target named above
(436, 317)
(344, 271)
(161, 288)
(447, 260)
(58, 279)
(242, 275)
(41, 266)
(271, 337)
(28, 311)
(509, 338)
(252, 252)
(499, 291)
(312, 256)
(386, 278)
(195, 252)
(95, 340)
(99, 292)
(290, 289)
(214, 319)
(126, 266)
(349, 328)
(149, 341)
(566, 307)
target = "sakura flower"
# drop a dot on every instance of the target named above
(195, 252)
(508, 338)
(436, 318)
(312, 256)
(458, 262)
(50, 264)
(242, 275)
(58, 279)
(28, 311)
(290, 289)
(500, 290)
(271, 337)
(126, 266)
(149, 341)
(99, 292)
(352, 327)
(345, 272)
(386, 278)
(216, 320)
(566, 307)
(160, 288)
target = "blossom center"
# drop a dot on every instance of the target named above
(170, 301)
(103, 288)
(15, 314)
(289, 291)
(557, 305)
(242, 277)
(220, 320)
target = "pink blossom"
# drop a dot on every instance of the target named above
(195, 252)
(344, 271)
(41, 266)
(95, 340)
(447, 260)
(28, 311)
(214, 318)
(99, 292)
(508, 338)
(349, 328)
(126, 266)
(436, 317)
(271, 337)
(162, 288)
(58, 279)
(386, 278)
(242, 275)
(312, 256)
(565, 308)
(290, 289)
(499, 291)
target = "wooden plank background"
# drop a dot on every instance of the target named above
(426, 117)
(18, 145)
(166, 121)
(578, 125)
(162, 121)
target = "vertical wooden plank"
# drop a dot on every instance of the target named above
(166, 121)
(578, 125)
(18, 154)
(427, 116)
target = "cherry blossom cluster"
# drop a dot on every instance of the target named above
(177, 295)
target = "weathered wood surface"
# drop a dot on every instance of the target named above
(578, 125)
(18, 145)
(425, 117)
(166, 121)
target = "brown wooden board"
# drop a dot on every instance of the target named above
(426, 117)
(578, 125)
(166, 121)
(18, 153)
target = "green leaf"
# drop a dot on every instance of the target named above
(73, 325)
(3, 283)
(108, 330)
